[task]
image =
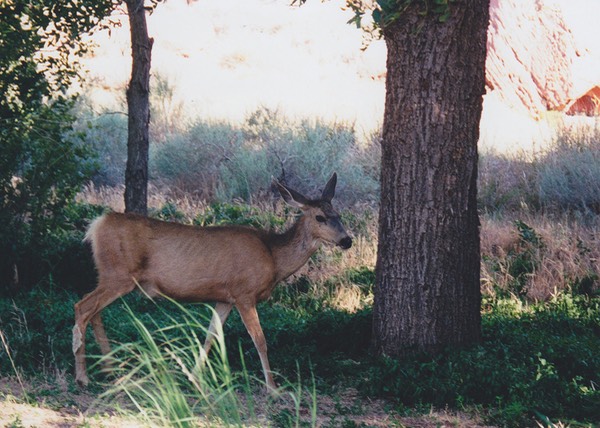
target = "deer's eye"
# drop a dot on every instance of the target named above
(321, 219)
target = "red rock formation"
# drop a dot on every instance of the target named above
(588, 104)
(531, 55)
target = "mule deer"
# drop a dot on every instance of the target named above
(230, 265)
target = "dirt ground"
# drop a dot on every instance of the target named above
(59, 405)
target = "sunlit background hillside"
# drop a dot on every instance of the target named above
(223, 59)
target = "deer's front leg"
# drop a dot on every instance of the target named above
(250, 319)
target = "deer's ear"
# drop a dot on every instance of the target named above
(293, 198)
(329, 191)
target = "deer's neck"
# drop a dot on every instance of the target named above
(292, 249)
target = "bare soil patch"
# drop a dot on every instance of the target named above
(61, 405)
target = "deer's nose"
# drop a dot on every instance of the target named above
(345, 243)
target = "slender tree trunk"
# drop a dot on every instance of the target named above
(138, 105)
(427, 293)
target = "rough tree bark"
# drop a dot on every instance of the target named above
(427, 293)
(138, 106)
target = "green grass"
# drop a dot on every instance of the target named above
(165, 378)
(536, 360)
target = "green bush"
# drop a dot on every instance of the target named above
(521, 262)
(191, 161)
(543, 362)
(168, 212)
(43, 163)
(218, 214)
(304, 155)
(37, 327)
(50, 167)
(57, 256)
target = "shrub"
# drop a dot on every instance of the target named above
(217, 160)
(565, 176)
(522, 261)
(304, 155)
(191, 161)
(223, 213)
(106, 134)
(569, 173)
(37, 327)
(168, 212)
(507, 183)
(42, 161)
(59, 257)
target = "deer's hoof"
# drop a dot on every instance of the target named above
(82, 381)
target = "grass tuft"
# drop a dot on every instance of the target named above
(166, 379)
(166, 376)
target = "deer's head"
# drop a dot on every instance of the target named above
(320, 217)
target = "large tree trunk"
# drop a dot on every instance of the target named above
(138, 105)
(427, 293)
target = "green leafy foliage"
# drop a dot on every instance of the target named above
(544, 361)
(387, 12)
(42, 162)
(168, 212)
(224, 213)
(57, 255)
(36, 326)
(43, 169)
(521, 262)
(537, 360)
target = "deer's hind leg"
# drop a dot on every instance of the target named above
(88, 309)
(220, 315)
(101, 339)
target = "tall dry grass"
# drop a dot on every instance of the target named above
(566, 257)
(112, 197)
